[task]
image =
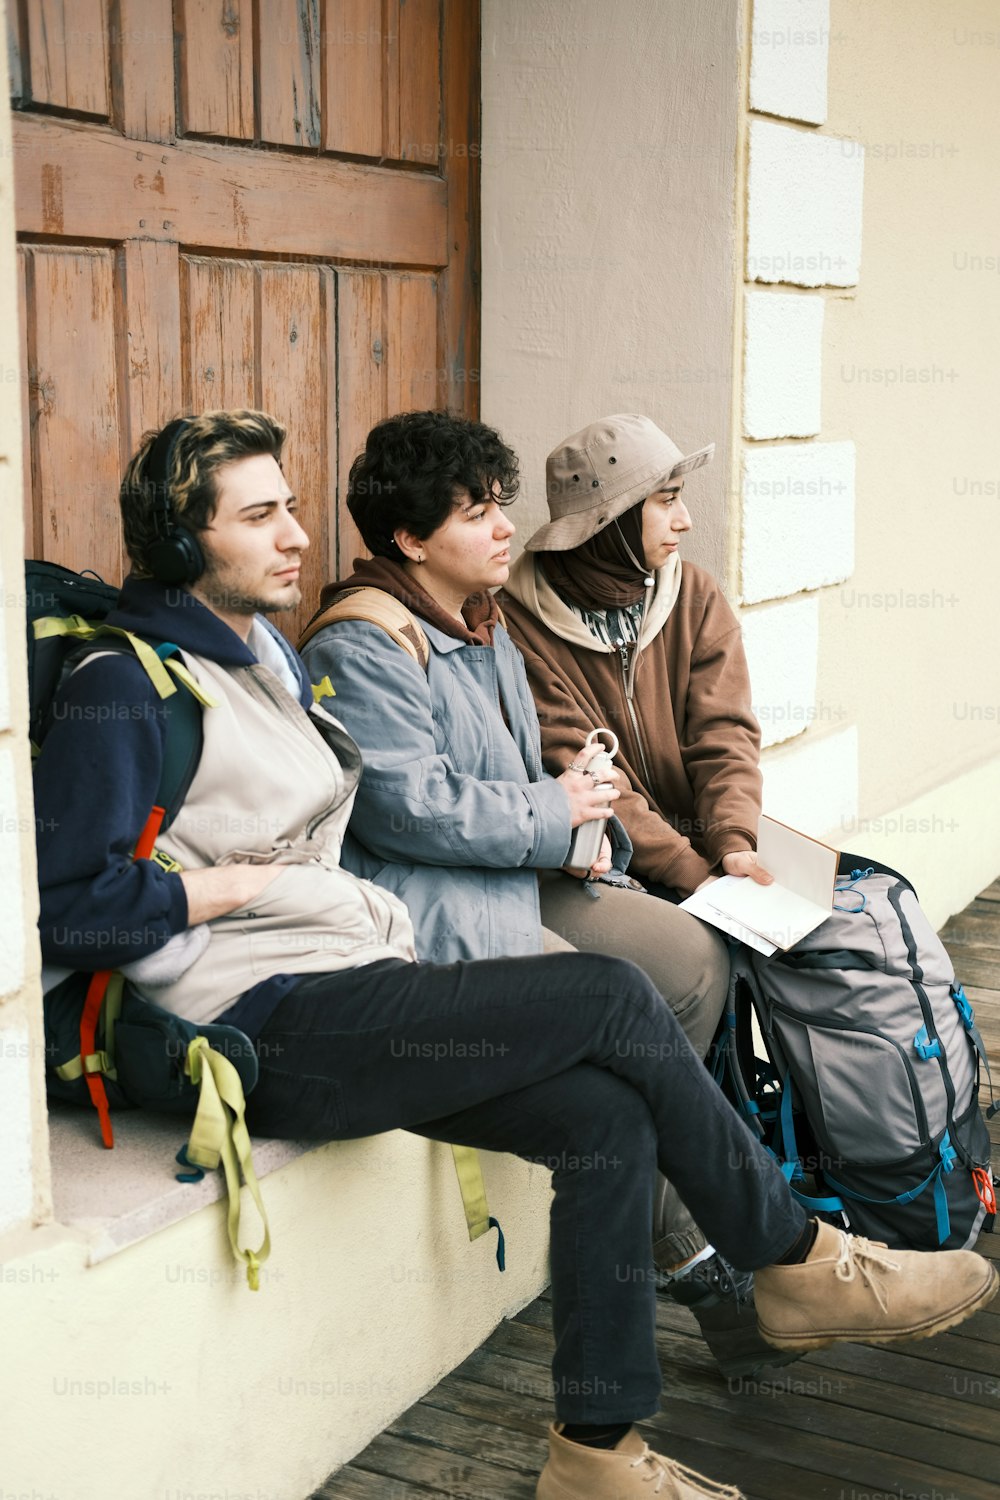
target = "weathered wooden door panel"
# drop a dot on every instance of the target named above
(219, 216)
(68, 56)
(75, 407)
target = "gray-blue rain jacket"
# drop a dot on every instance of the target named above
(454, 812)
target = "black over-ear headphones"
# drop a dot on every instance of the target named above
(174, 556)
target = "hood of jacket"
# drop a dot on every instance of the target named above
(479, 612)
(162, 612)
(528, 584)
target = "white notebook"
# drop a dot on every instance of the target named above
(778, 915)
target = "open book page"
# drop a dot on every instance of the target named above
(801, 897)
(700, 905)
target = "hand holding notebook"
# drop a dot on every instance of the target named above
(780, 914)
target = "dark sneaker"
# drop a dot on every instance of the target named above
(721, 1298)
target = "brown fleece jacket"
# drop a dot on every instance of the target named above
(691, 700)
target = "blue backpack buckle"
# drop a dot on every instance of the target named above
(925, 1047)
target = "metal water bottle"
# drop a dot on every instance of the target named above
(585, 846)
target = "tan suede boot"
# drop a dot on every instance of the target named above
(632, 1471)
(850, 1289)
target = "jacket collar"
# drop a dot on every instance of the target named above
(528, 584)
(162, 612)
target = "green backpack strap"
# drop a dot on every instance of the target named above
(219, 1133)
(473, 1189)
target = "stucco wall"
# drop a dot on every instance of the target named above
(912, 372)
(869, 371)
(609, 158)
(24, 1187)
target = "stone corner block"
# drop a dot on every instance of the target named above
(804, 212)
(798, 518)
(788, 67)
(813, 785)
(782, 646)
(11, 904)
(783, 365)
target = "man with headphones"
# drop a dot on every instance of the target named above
(245, 915)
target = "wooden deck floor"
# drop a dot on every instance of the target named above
(920, 1422)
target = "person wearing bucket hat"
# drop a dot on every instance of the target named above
(615, 630)
(455, 813)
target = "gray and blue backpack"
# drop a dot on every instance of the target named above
(862, 1072)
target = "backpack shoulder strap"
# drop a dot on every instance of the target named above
(182, 700)
(375, 607)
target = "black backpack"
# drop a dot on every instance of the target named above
(869, 1077)
(136, 1050)
(104, 1043)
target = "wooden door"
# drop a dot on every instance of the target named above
(268, 203)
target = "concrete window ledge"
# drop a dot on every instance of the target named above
(371, 1294)
(118, 1197)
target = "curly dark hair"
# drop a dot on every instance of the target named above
(203, 446)
(414, 469)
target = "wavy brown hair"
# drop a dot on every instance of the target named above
(414, 468)
(201, 448)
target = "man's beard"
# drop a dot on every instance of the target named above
(233, 600)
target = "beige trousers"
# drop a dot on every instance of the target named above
(687, 961)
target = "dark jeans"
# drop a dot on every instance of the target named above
(571, 1060)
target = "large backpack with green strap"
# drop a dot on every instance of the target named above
(104, 1044)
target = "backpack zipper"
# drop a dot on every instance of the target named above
(926, 1010)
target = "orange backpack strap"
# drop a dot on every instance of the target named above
(375, 607)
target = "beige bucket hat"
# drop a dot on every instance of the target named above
(601, 472)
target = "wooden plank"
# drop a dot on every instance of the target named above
(457, 1475)
(361, 385)
(216, 68)
(289, 73)
(688, 1433)
(218, 334)
(68, 56)
(459, 332)
(142, 69)
(74, 398)
(418, 82)
(520, 1450)
(296, 386)
(972, 929)
(799, 1400)
(225, 197)
(15, 72)
(976, 966)
(411, 343)
(149, 320)
(27, 487)
(360, 1484)
(391, 64)
(354, 86)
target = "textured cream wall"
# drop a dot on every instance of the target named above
(157, 1373)
(24, 1178)
(911, 374)
(609, 231)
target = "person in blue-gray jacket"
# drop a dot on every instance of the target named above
(455, 813)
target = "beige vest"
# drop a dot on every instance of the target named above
(275, 785)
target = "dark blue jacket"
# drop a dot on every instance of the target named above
(96, 779)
